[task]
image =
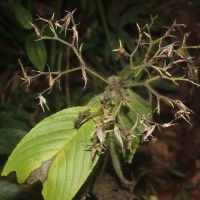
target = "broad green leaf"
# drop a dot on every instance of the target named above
(55, 153)
(129, 118)
(36, 51)
(23, 16)
(138, 107)
(163, 86)
(8, 191)
(128, 156)
(9, 138)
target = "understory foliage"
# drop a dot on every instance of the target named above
(63, 149)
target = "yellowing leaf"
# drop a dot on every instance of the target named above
(56, 153)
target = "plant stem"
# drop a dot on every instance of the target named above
(97, 75)
(61, 73)
(78, 56)
(159, 96)
(56, 38)
(134, 85)
(118, 109)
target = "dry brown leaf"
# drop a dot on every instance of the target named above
(40, 173)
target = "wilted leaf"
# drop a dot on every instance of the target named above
(36, 52)
(55, 137)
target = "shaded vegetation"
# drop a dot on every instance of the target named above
(160, 168)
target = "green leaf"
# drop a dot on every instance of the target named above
(55, 153)
(129, 118)
(23, 16)
(163, 86)
(8, 191)
(9, 138)
(128, 156)
(138, 107)
(36, 51)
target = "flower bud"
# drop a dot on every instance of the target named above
(121, 50)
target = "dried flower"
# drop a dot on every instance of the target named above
(51, 80)
(84, 75)
(75, 35)
(100, 133)
(146, 128)
(42, 102)
(81, 117)
(166, 125)
(166, 51)
(184, 112)
(65, 22)
(26, 77)
(118, 135)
